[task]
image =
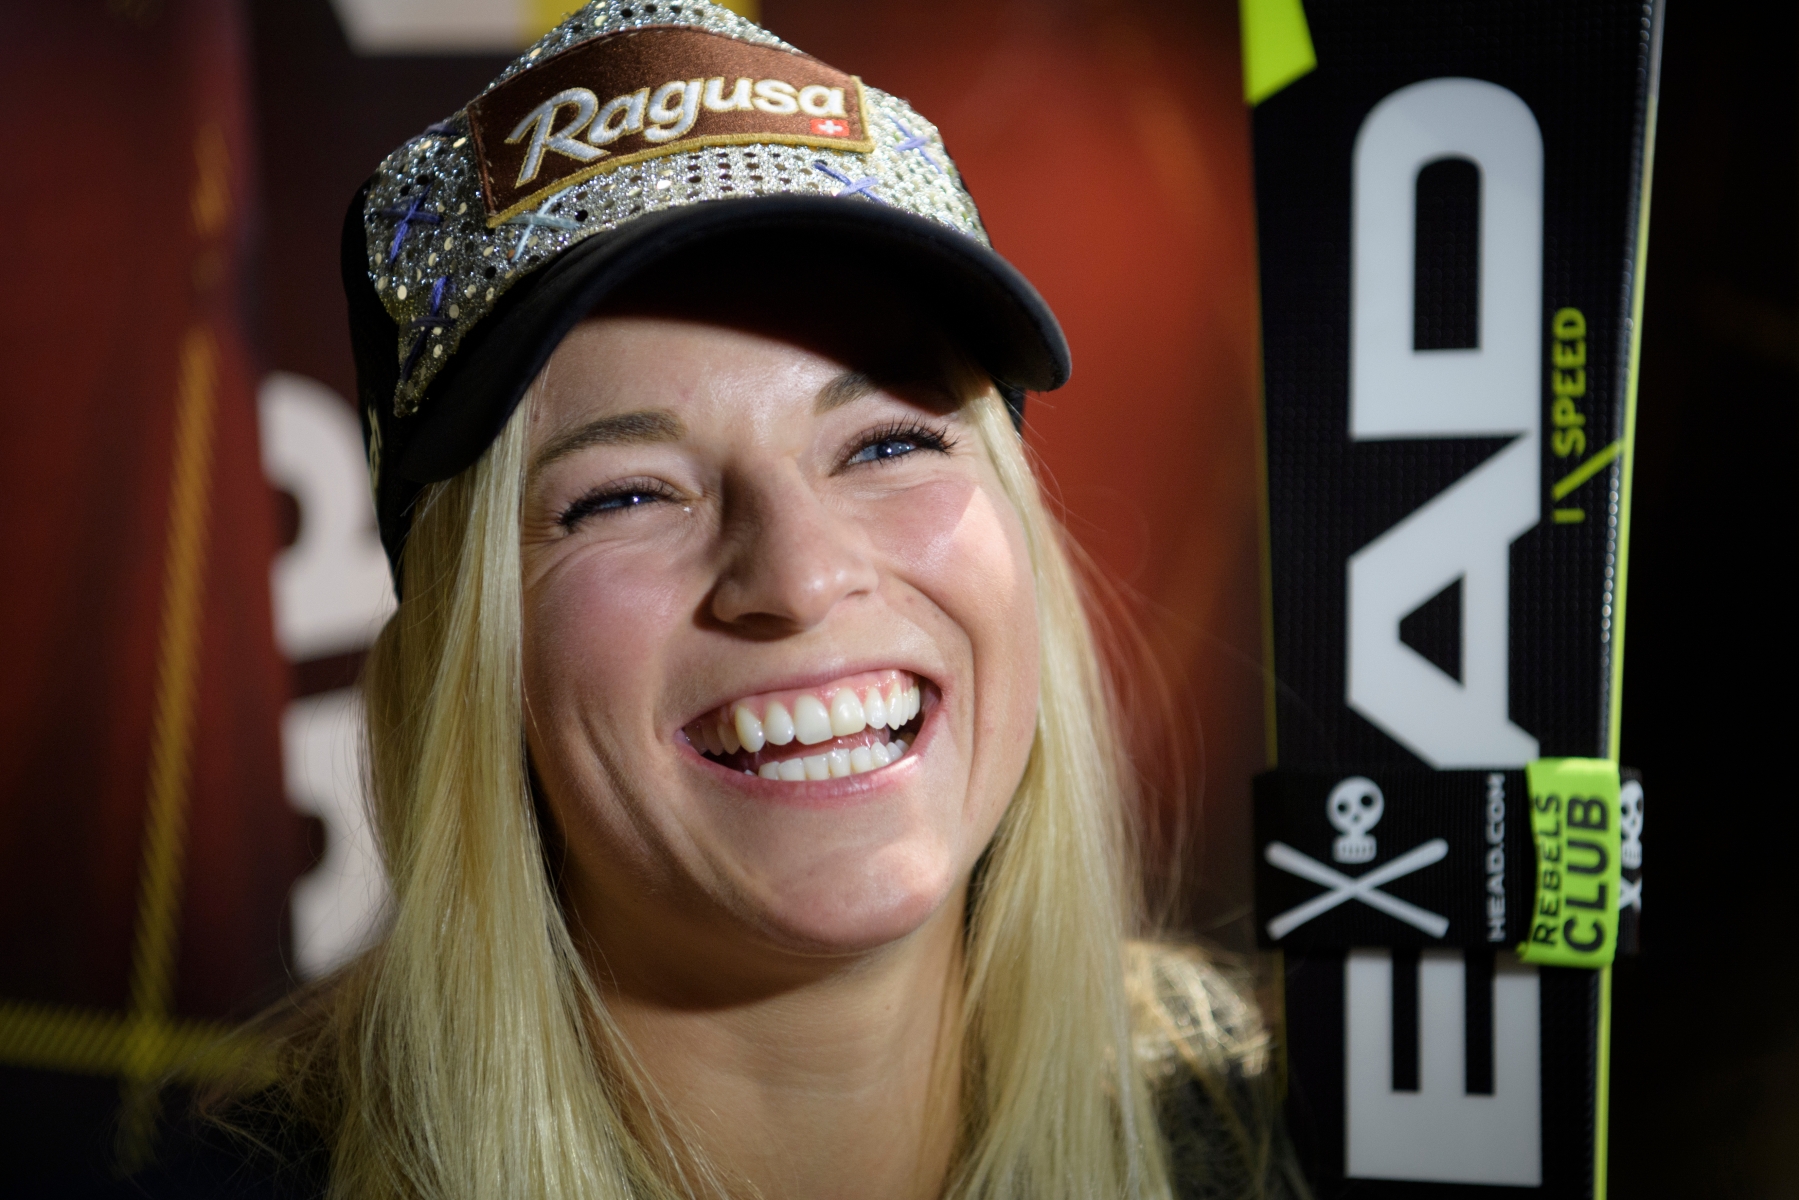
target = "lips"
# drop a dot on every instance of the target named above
(850, 726)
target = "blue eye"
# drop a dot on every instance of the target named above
(896, 441)
(885, 448)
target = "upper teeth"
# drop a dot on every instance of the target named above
(813, 720)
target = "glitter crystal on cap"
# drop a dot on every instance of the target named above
(440, 259)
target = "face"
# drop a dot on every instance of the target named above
(780, 652)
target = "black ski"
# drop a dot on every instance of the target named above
(1452, 222)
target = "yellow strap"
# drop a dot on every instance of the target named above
(83, 1041)
(146, 1047)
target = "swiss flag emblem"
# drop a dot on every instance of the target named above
(830, 127)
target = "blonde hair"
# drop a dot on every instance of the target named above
(469, 1054)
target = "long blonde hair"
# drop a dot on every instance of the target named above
(470, 1054)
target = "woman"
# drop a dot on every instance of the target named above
(741, 759)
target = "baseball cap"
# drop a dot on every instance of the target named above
(632, 136)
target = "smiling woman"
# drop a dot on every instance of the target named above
(740, 754)
(725, 530)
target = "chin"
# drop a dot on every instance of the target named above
(857, 907)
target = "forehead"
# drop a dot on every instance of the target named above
(639, 379)
(615, 361)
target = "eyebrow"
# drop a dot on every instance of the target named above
(854, 385)
(846, 388)
(624, 429)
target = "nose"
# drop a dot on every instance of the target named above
(792, 558)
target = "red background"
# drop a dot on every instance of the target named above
(118, 275)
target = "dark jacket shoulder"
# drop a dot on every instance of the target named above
(1208, 1055)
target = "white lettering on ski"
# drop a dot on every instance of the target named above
(1397, 392)
(1441, 1133)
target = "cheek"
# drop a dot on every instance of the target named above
(1001, 613)
(963, 546)
(595, 632)
(956, 535)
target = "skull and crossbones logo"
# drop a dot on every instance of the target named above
(1630, 804)
(1355, 807)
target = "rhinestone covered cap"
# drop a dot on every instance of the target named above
(442, 249)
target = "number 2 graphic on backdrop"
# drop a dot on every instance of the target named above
(331, 593)
(1436, 1130)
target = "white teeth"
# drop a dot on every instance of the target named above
(749, 729)
(834, 764)
(874, 709)
(846, 714)
(811, 723)
(777, 725)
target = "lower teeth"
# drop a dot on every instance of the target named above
(835, 764)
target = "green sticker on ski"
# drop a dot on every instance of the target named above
(1574, 816)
